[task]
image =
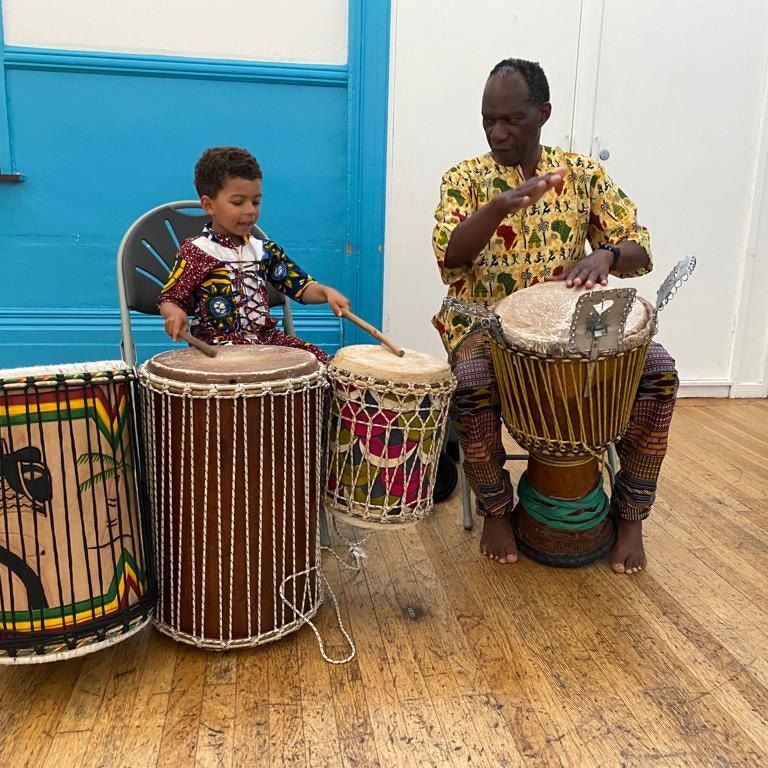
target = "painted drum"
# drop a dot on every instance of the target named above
(75, 574)
(386, 429)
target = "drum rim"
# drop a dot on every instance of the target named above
(82, 650)
(568, 356)
(186, 364)
(442, 373)
(214, 644)
(347, 515)
(442, 386)
(175, 387)
(559, 350)
(51, 375)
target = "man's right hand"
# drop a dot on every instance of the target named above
(176, 320)
(472, 235)
(530, 191)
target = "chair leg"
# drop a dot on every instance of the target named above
(466, 498)
(612, 465)
(325, 533)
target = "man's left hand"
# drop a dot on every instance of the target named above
(589, 272)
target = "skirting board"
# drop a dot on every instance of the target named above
(693, 388)
(715, 388)
(750, 389)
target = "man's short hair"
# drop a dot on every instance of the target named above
(217, 164)
(531, 72)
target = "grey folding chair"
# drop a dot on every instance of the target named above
(144, 260)
(466, 498)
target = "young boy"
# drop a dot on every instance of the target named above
(220, 277)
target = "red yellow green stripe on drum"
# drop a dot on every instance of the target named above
(128, 579)
(68, 404)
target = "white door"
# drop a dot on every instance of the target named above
(678, 93)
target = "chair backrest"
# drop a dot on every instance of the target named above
(149, 247)
(145, 258)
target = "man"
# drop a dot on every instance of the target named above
(507, 220)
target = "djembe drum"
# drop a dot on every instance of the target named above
(74, 571)
(568, 364)
(386, 430)
(233, 463)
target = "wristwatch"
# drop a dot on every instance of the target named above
(615, 250)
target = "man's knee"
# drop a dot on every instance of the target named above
(472, 364)
(660, 380)
(659, 360)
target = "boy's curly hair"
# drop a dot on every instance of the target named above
(217, 164)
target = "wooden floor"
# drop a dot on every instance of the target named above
(461, 662)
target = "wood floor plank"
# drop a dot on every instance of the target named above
(32, 742)
(19, 686)
(215, 739)
(105, 743)
(178, 746)
(68, 750)
(529, 704)
(145, 724)
(286, 737)
(390, 744)
(88, 692)
(251, 741)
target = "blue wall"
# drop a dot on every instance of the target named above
(101, 138)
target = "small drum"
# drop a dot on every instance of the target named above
(74, 573)
(386, 430)
(233, 464)
(568, 364)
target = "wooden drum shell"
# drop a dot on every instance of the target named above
(539, 399)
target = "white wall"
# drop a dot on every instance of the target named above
(310, 31)
(675, 91)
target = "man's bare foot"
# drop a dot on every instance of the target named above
(498, 539)
(628, 555)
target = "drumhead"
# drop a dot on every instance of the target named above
(538, 319)
(373, 361)
(234, 364)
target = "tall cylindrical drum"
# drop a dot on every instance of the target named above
(74, 558)
(233, 464)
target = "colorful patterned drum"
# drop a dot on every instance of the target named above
(386, 429)
(233, 465)
(74, 573)
(568, 364)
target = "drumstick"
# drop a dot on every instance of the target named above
(375, 332)
(193, 341)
